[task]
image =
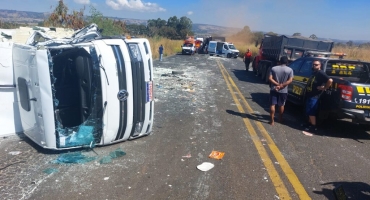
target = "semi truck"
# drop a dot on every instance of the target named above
(85, 90)
(273, 47)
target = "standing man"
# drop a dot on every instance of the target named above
(280, 77)
(316, 85)
(160, 52)
(247, 59)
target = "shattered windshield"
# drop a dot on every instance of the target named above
(76, 86)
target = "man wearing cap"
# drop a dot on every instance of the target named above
(247, 59)
(280, 77)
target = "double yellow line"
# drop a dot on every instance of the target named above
(273, 173)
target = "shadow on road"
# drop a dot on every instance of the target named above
(352, 190)
(247, 76)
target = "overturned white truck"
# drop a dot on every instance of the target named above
(85, 90)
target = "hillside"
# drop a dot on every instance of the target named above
(33, 18)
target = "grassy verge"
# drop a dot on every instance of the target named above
(172, 47)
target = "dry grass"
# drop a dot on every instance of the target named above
(171, 47)
(355, 53)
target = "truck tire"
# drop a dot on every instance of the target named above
(263, 70)
(211, 54)
(258, 69)
(228, 55)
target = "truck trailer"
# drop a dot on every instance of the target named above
(273, 47)
(85, 90)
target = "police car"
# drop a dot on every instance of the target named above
(349, 94)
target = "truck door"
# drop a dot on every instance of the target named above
(225, 50)
(32, 78)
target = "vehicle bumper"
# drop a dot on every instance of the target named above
(358, 116)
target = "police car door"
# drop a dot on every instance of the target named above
(305, 72)
(292, 92)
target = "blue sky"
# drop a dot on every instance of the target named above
(335, 19)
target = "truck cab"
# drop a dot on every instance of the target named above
(84, 91)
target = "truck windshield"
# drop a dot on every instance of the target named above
(188, 45)
(231, 46)
(352, 70)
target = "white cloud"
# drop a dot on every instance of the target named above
(190, 12)
(82, 1)
(134, 5)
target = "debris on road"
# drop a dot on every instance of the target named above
(50, 170)
(74, 157)
(114, 154)
(187, 156)
(14, 153)
(307, 133)
(205, 166)
(216, 155)
(106, 178)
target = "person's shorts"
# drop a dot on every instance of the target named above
(277, 98)
(312, 106)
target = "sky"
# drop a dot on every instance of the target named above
(334, 19)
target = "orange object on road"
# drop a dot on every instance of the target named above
(217, 155)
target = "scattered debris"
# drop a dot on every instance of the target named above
(106, 178)
(187, 156)
(14, 153)
(307, 133)
(74, 157)
(112, 155)
(178, 72)
(205, 166)
(50, 170)
(217, 155)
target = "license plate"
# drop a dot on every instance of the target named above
(149, 91)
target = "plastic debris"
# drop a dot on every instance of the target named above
(205, 166)
(75, 157)
(106, 178)
(50, 170)
(14, 153)
(307, 133)
(187, 156)
(217, 155)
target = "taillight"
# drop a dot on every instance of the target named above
(346, 92)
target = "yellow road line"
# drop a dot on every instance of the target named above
(274, 175)
(292, 177)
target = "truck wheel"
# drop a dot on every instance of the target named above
(211, 54)
(263, 71)
(228, 55)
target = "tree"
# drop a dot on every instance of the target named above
(349, 43)
(271, 33)
(60, 17)
(313, 36)
(297, 34)
(110, 27)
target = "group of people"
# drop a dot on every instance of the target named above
(281, 76)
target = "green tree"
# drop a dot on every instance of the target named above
(109, 27)
(349, 43)
(297, 34)
(60, 17)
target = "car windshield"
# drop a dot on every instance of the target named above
(231, 46)
(188, 45)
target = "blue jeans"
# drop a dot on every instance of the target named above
(312, 106)
(160, 56)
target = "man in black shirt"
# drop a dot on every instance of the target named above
(316, 85)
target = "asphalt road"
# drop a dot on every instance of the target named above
(214, 105)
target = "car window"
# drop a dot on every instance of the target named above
(225, 46)
(296, 65)
(297, 54)
(355, 70)
(306, 68)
